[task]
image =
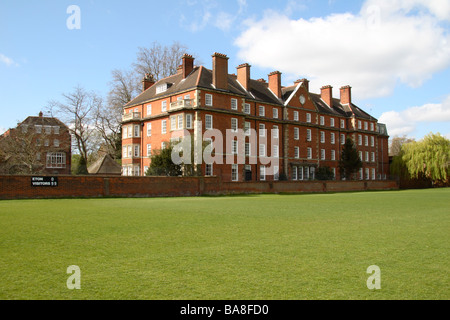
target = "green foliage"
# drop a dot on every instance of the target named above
(324, 174)
(162, 164)
(81, 167)
(350, 162)
(429, 157)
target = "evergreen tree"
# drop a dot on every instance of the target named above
(350, 162)
(162, 164)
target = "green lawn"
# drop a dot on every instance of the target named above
(312, 246)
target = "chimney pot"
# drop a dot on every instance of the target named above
(243, 75)
(220, 71)
(188, 65)
(346, 95)
(275, 83)
(147, 82)
(327, 95)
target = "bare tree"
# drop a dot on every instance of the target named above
(159, 61)
(395, 147)
(22, 151)
(78, 113)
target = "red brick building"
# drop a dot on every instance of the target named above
(38, 145)
(302, 130)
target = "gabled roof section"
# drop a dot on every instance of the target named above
(201, 77)
(43, 121)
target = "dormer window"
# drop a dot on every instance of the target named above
(162, 87)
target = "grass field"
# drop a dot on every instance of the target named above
(281, 247)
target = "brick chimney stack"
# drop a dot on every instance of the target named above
(326, 93)
(41, 114)
(243, 75)
(346, 95)
(305, 83)
(220, 71)
(147, 82)
(188, 65)
(275, 83)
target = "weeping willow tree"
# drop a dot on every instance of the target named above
(429, 157)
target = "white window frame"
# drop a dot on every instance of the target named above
(234, 172)
(149, 150)
(296, 152)
(275, 113)
(149, 129)
(262, 130)
(247, 108)
(296, 116)
(322, 120)
(296, 133)
(333, 138)
(308, 117)
(262, 173)
(331, 122)
(208, 100)
(308, 135)
(208, 122)
(163, 126)
(322, 154)
(262, 111)
(333, 155)
(209, 169)
(234, 104)
(262, 150)
(164, 106)
(309, 153)
(188, 121)
(322, 136)
(234, 124)
(180, 121)
(234, 147)
(149, 110)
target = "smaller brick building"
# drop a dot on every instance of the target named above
(38, 145)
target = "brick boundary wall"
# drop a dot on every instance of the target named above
(19, 187)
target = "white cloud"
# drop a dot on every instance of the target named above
(371, 51)
(405, 122)
(8, 61)
(206, 13)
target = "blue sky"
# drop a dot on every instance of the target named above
(395, 54)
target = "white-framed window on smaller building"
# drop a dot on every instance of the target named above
(342, 139)
(322, 137)
(331, 122)
(372, 141)
(275, 151)
(333, 155)
(296, 152)
(333, 138)
(149, 129)
(136, 151)
(342, 124)
(322, 120)
(294, 173)
(56, 143)
(248, 149)
(164, 106)
(56, 160)
(136, 130)
(149, 150)
(322, 154)
(164, 126)
(149, 110)
(308, 135)
(296, 116)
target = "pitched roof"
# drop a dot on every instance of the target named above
(105, 165)
(43, 121)
(201, 77)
